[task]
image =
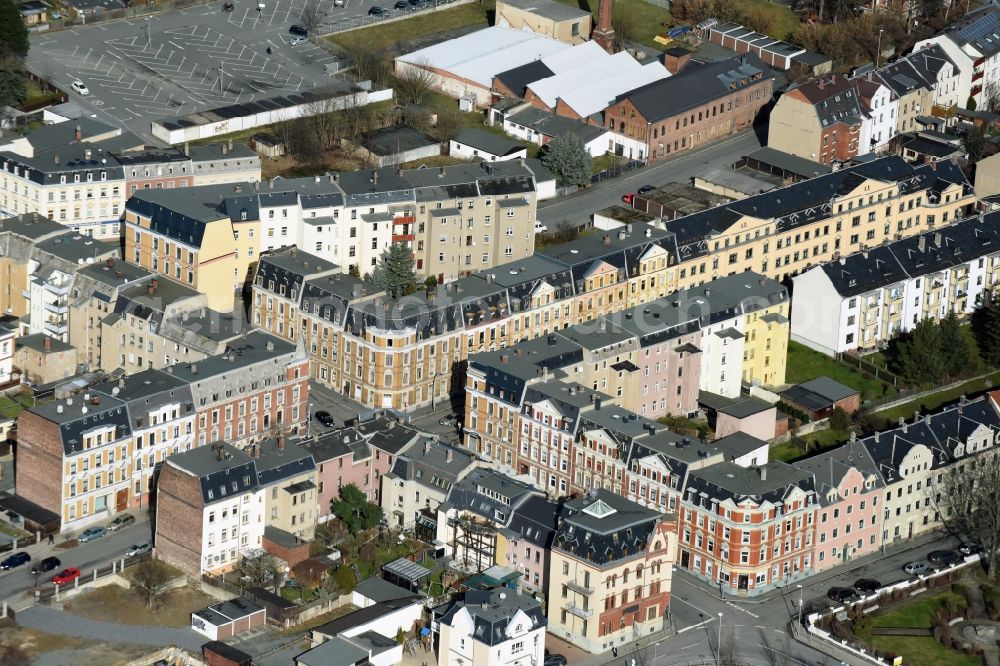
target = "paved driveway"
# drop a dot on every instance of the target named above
(52, 621)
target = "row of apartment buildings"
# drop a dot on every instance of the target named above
(95, 454)
(863, 300)
(410, 351)
(456, 220)
(80, 173)
(98, 311)
(746, 526)
(838, 118)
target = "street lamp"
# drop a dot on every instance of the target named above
(433, 388)
(718, 644)
(309, 420)
(878, 49)
(800, 604)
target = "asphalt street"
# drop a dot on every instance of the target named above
(16, 584)
(754, 630)
(576, 210)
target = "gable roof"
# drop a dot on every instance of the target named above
(695, 85)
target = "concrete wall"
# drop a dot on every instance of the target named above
(230, 125)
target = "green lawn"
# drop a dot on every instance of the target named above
(919, 612)
(12, 405)
(420, 25)
(647, 19)
(781, 20)
(814, 443)
(805, 364)
(924, 651)
(933, 401)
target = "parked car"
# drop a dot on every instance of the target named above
(867, 585)
(138, 549)
(969, 548)
(298, 41)
(299, 30)
(540, 228)
(80, 87)
(325, 419)
(401, 4)
(15, 560)
(339, 3)
(91, 534)
(46, 565)
(378, 11)
(646, 189)
(554, 660)
(449, 420)
(943, 558)
(66, 576)
(628, 198)
(840, 594)
(416, 3)
(120, 522)
(915, 568)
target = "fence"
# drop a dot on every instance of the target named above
(330, 27)
(870, 368)
(101, 15)
(608, 174)
(285, 615)
(842, 650)
(50, 593)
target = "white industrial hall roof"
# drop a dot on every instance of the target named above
(480, 55)
(592, 86)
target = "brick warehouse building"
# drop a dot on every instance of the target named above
(702, 103)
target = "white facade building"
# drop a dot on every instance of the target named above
(490, 628)
(864, 300)
(973, 45)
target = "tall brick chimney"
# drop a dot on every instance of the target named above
(604, 34)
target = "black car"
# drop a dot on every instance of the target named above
(15, 560)
(48, 564)
(867, 585)
(378, 11)
(415, 3)
(299, 30)
(554, 660)
(325, 419)
(840, 594)
(401, 4)
(942, 558)
(645, 189)
(968, 548)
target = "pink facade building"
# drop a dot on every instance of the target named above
(361, 455)
(848, 487)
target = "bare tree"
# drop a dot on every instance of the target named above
(151, 579)
(325, 119)
(414, 84)
(311, 17)
(258, 568)
(372, 63)
(966, 499)
(625, 25)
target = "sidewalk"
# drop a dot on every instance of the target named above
(827, 574)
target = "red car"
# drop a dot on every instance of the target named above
(66, 576)
(628, 198)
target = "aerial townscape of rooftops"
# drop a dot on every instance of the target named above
(515, 333)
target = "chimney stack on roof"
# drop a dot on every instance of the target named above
(763, 472)
(281, 442)
(78, 134)
(374, 176)
(449, 456)
(47, 343)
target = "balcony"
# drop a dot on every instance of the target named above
(402, 237)
(58, 289)
(578, 611)
(56, 308)
(406, 219)
(579, 589)
(58, 328)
